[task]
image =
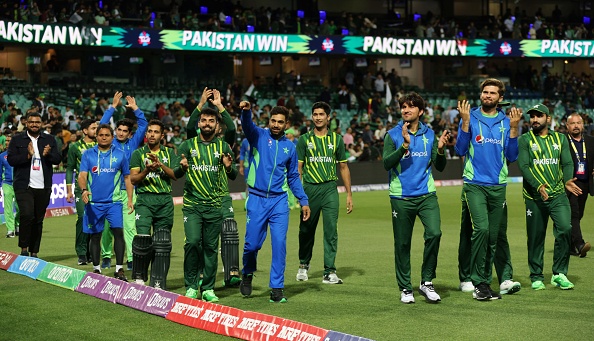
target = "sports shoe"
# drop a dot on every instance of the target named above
(97, 271)
(25, 253)
(191, 293)
(331, 278)
(509, 287)
(209, 296)
(139, 281)
(481, 292)
(106, 264)
(466, 287)
(245, 287)
(129, 265)
(233, 281)
(561, 281)
(120, 275)
(407, 297)
(494, 294)
(277, 295)
(302, 273)
(10, 234)
(426, 289)
(538, 285)
(583, 250)
(82, 260)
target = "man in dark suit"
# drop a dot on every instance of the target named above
(582, 153)
(32, 155)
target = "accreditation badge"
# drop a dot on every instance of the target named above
(581, 169)
(36, 164)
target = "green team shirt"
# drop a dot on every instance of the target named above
(319, 155)
(544, 160)
(154, 182)
(206, 178)
(75, 152)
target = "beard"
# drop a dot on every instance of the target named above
(207, 134)
(538, 128)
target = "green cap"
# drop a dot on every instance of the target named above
(42, 95)
(504, 103)
(290, 131)
(540, 108)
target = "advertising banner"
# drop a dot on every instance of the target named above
(159, 302)
(27, 266)
(91, 284)
(61, 276)
(111, 289)
(6, 259)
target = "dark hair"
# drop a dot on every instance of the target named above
(494, 82)
(154, 122)
(321, 105)
(124, 122)
(280, 110)
(105, 126)
(413, 99)
(211, 112)
(86, 123)
(33, 114)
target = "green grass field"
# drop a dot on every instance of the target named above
(367, 305)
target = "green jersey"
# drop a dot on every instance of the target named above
(319, 155)
(206, 178)
(75, 151)
(154, 182)
(544, 160)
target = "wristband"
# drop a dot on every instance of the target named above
(404, 146)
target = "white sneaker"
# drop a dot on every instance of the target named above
(331, 278)
(426, 289)
(139, 281)
(509, 287)
(466, 287)
(407, 297)
(302, 274)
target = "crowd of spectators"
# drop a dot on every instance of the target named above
(225, 15)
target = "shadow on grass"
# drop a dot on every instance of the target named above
(58, 258)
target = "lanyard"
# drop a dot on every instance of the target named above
(99, 161)
(577, 155)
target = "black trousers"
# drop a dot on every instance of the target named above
(32, 204)
(578, 203)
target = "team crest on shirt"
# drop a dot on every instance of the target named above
(269, 143)
(309, 146)
(6, 157)
(217, 154)
(534, 147)
(193, 153)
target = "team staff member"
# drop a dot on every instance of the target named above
(486, 139)
(101, 170)
(208, 164)
(151, 172)
(410, 149)
(32, 156)
(273, 161)
(545, 163)
(81, 240)
(127, 142)
(12, 218)
(318, 153)
(582, 154)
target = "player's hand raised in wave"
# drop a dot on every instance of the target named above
(464, 110)
(116, 99)
(245, 105)
(515, 114)
(131, 103)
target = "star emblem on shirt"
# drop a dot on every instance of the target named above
(501, 129)
(114, 159)
(165, 159)
(217, 154)
(77, 199)
(247, 219)
(330, 146)
(231, 209)
(528, 213)
(137, 216)
(555, 146)
(286, 150)
(394, 214)
(185, 219)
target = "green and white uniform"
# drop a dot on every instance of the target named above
(318, 156)
(205, 186)
(154, 203)
(74, 156)
(546, 160)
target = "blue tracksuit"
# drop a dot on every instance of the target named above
(131, 144)
(485, 147)
(244, 156)
(271, 162)
(5, 170)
